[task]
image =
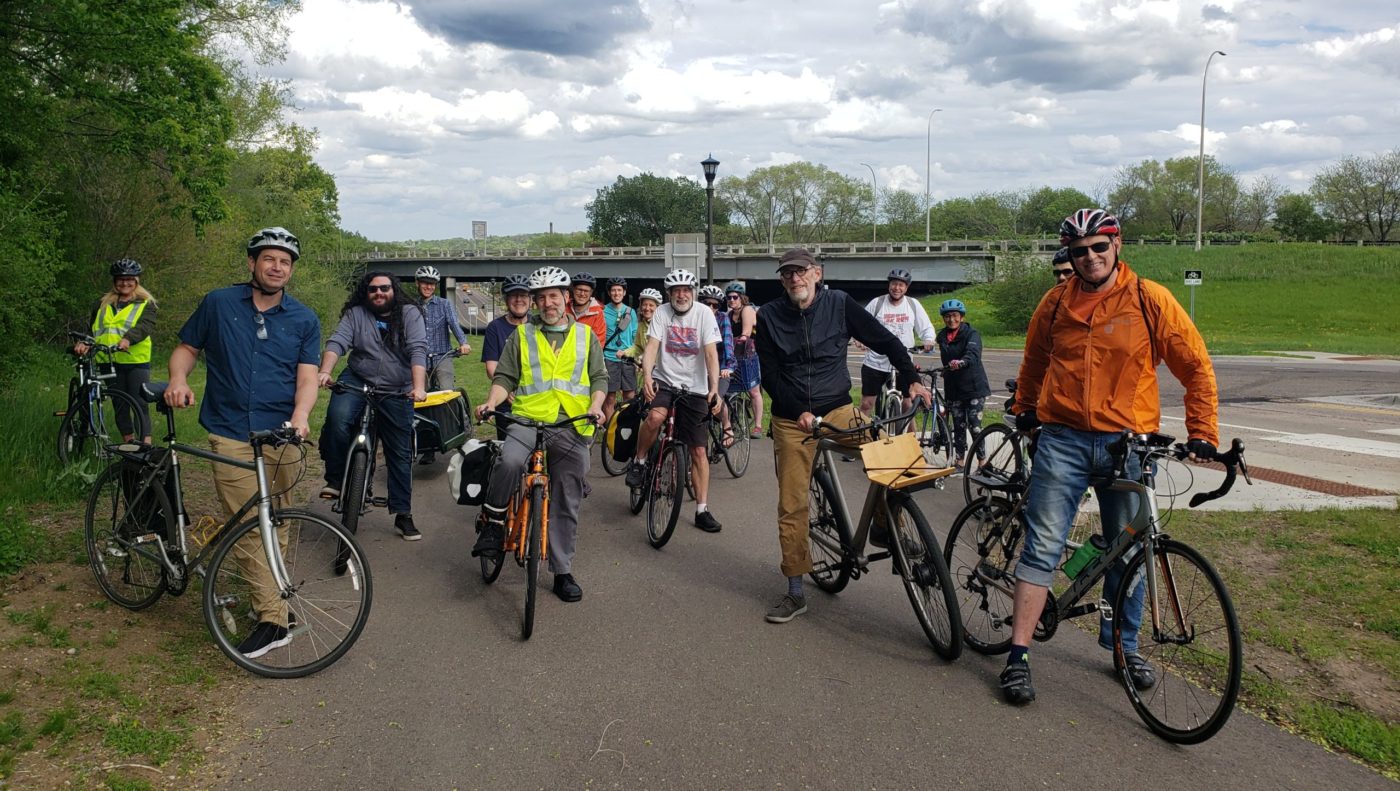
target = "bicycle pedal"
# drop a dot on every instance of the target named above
(379, 502)
(61, 413)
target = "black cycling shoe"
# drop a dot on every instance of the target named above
(636, 476)
(1016, 684)
(706, 521)
(566, 588)
(1142, 673)
(490, 540)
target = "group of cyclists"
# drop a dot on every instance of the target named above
(1089, 372)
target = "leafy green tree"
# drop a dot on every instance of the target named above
(987, 215)
(1018, 282)
(806, 203)
(903, 213)
(1297, 220)
(1361, 194)
(642, 209)
(1043, 210)
(1160, 197)
(1256, 203)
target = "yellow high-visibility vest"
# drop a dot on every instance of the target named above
(551, 382)
(111, 325)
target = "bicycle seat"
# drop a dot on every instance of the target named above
(154, 393)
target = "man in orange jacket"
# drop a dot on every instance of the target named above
(1089, 372)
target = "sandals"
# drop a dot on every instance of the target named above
(728, 441)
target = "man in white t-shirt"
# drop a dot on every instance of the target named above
(680, 369)
(908, 320)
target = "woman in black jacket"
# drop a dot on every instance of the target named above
(965, 386)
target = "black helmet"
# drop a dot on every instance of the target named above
(586, 278)
(901, 274)
(617, 281)
(125, 267)
(278, 237)
(515, 283)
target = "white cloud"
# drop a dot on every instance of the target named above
(1030, 120)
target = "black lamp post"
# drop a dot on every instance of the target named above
(710, 164)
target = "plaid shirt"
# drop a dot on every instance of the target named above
(440, 319)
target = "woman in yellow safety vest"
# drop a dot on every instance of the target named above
(124, 318)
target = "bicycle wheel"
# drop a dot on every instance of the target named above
(892, 404)
(611, 466)
(995, 454)
(352, 499)
(490, 566)
(919, 561)
(637, 495)
(736, 456)
(326, 611)
(72, 432)
(534, 552)
(119, 512)
(981, 563)
(828, 535)
(938, 436)
(102, 423)
(667, 489)
(1196, 648)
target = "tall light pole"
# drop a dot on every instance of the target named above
(710, 164)
(874, 203)
(928, 170)
(1201, 159)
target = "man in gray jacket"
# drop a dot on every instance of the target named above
(383, 333)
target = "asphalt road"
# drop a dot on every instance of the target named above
(667, 676)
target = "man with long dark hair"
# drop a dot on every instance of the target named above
(383, 331)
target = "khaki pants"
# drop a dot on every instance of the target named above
(793, 458)
(234, 486)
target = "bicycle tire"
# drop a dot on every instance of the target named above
(352, 500)
(828, 536)
(976, 556)
(490, 565)
(736, 456)
(1195, 665)
(665, 494)
(70, 440)
(637, 495)
(534, 552)
(131, 575)
(892, 404)
(995, 453)
(943, 439)
(919, 561)
(611, 466)
(330, 609)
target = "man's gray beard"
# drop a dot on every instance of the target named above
(794, 299)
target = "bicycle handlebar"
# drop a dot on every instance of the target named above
(819, 426)
(95, 348)
(285, 434)
(511, 417)
(1161, 444)
(367, 390)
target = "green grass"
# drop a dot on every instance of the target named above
(130, 737)
(1260, 297)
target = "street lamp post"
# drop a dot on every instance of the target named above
(1201, 158)
(874, 203)
(710, 164)
(928, 170)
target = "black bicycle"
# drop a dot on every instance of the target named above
(140, 545)
(90, 418)
(736, 455)
(361, 459)
(1188, 629)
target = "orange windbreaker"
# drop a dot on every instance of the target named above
(1101, 375)
(593, 318)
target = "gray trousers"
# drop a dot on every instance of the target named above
(568, 459)
(444, 378)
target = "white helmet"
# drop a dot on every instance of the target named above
(679, 277)
(651, 294)
(712, 292)
(549, 277)
(427, 273)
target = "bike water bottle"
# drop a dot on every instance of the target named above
(1087, 553)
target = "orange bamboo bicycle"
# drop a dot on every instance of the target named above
(527, 517)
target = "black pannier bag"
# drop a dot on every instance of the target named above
(469, 470)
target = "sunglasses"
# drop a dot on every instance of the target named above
(371, 288)
(262, 326)
(732, 296)
(1061, 274)
(1098, 247)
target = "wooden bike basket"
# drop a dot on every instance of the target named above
(897, 462)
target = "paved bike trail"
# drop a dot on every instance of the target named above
(667, 676)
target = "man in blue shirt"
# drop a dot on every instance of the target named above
(260, 350)
(621, 332)
(515, 292)
(440, 322)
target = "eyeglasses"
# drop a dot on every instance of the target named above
(262, 326)
(793, 273)
(1063, 274)
(732, 296)
(385, 289)
(1098, 247)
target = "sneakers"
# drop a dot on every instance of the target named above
(1142, 673)
(636, 476)
(786, 609)
(566, 588)
(1016, 684)
(329, 492)
(706, 521)
(264, 637)
(489, 540)
(406, 528)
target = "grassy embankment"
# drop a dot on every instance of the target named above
(1261, 297)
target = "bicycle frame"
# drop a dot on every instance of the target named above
(366, 438)
(520, 512)
(826, 450)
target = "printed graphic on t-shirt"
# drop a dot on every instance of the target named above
(683, 341)
(891, 319)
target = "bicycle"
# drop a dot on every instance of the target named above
(896, 469)
(931, 425)
(667, 479)
(612, 466)
(435, 433)
(1189, 625)
(357, 483)
(998, 451)
(527, 517)
(140, 545)
(736, 456)
(92, 408)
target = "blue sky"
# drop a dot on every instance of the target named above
(434, 113)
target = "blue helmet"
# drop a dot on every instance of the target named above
(952, 306)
